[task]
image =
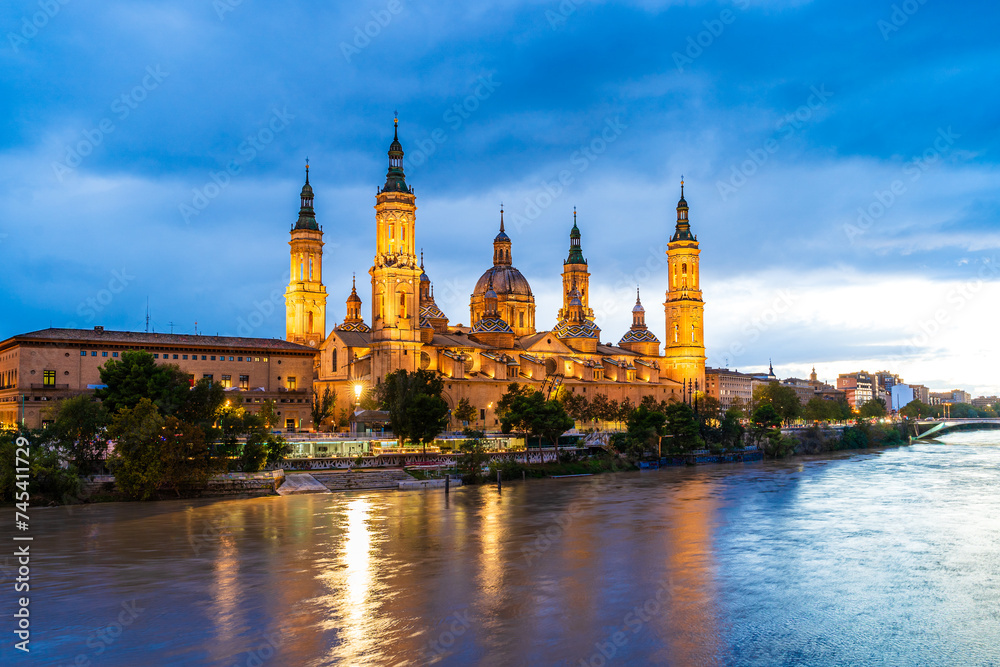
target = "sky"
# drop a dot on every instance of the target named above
(839, 160)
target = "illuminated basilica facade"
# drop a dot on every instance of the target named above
(504, 342)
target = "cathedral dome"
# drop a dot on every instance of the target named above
(506, 281)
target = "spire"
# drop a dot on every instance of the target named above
(394, 178)
(501, 245)
(683, 230)
(638, 313)
(307, 216)
(575, 250)
(422, 260)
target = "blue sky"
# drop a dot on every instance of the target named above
(840, 161)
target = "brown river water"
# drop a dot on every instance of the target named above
(888, 557)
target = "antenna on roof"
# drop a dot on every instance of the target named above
(171, 327)
(196, 327)
(147, 314)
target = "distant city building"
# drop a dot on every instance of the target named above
(950, 397)
(40, 367)
(729, 387)
(901, 395)
(804, 389)
(859, 388)
(921, 393)
(985, 401)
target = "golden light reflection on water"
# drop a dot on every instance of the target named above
(349, 579)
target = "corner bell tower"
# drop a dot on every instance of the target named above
(305, 299)
(395, 273)
(684, 352)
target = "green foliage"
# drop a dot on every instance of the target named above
(601, 409)
(731, 429)
(874, 408)
(416, 410)
(777, 446)
(529, 412)
(764, 426)
(645, 428)
(465, 412)
(136, 376)
(245, 443)
(48, 477)
(917, 410)
(322, 406)
(269, 415)
(783, 399)
(183, 456)
(473, 450)
(201, 403)
(576, 405)
(78, 429)
(682, 427)
(138, 434)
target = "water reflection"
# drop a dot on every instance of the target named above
(825, 561)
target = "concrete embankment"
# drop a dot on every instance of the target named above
(301, 482)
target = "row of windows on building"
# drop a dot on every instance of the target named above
(193, 357)
(226, 381)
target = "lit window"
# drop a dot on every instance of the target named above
(291, 382)
(191, 379)
(49, 378)
(227, 381)
(244, 382)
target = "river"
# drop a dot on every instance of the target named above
(889, 557)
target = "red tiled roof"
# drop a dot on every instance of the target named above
(91, 336)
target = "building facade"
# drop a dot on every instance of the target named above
(44, 366)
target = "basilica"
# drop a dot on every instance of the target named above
(405, 329)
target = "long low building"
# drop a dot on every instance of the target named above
(40, 367)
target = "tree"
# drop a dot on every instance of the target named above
(576, 405)
(765, 424)
(136, 376)
(79, 430)
(465, 412)
(530, 413)
(47, 474)
(427, 416)
(682, 427)
(184, 460)
(135, 461)
(416, 410)
(819, 409)
(600, 408)
(731, 428)
(645, 429)
(473, 449)
(784, 400)
(625, 410)
(322, 407)
(269, 415)
(873, 409)
(201, 402)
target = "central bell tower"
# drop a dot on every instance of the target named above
(395, 273)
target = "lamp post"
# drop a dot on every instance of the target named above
(357, 399)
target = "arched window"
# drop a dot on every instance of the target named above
(310, 268)
(402, 305)
(333, 360)
(676, 332)
(310, 329)
(692, 334)
(301, 269)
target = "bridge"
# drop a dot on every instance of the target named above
(927, 428)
